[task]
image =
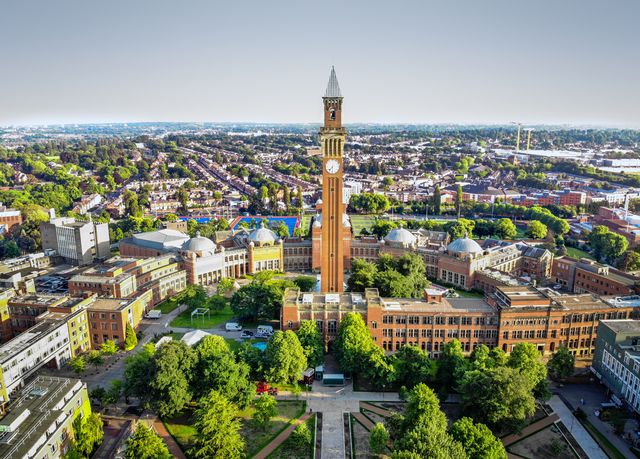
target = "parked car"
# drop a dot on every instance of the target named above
(233, 326)
(264, 331)
(155, 314)
(246, 334)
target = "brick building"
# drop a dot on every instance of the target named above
(509, 315)
(588, 276)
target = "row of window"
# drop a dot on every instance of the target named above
(438, 320)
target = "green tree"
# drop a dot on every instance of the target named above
(536, 230)
(226, 286)
(413, 366)
(477, 440)
(562, 364)
(265, 409)
(78, 364)
(499, 396)
(217, 429)
(378, 438)
(217, 369)
(526, 358)
(451, 364)
(305, 283)
(130, 339)
(114, 392)
(607, 245)
(460, 228)
(256, 300)
(629, 261)
(109, 347)
(459, 200)
(301, 436)
(505, 229)
(282, 230)
(144, 443)
(95, 358)
(87, 431)
(382, 227)
(285, 357)
(437, 200)
(137, 369)
(363, 275)
(311, 341)
(169, 381)
(354, 344)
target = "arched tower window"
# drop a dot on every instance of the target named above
(332, 114)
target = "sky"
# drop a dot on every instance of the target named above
(571, 62)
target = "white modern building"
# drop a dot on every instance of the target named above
(79, 243)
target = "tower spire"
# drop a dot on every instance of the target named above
(333, 88)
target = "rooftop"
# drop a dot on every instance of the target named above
(34, 412)
(109, 304)
(623, 326)
(28, 338)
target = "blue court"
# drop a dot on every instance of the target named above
(292, 222)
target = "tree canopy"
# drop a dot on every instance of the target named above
(285, 357)
(144, 443)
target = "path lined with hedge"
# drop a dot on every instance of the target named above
(282, 436)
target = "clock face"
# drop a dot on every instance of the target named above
(332, 166)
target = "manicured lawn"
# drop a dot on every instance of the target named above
(216, 318)
(288, 450)
(465, 294)
(176, 336)
(577, 253)
(168, 305)
(256, 437)
(181, 429)
(361, 221)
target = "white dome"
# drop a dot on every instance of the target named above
(262, 235)
(401, 236)
(464, 245)
(199, 244)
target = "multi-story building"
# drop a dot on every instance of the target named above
(616, 361)
(122, 277)
(588, 276)
(505, 317)
(108, 317)
(25, 309)
(46, 343)
(79, 243)
(39, 424)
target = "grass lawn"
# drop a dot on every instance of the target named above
(181, 426)
(176, 336)
(181, 429)
(168, 305)
(465, 294)
(288, 450)
(577, 253)
(361, 221)
(216, 318)
(256, 437)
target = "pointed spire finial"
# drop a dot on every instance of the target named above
(333, 88)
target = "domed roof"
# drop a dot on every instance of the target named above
(464, 245)
(401, 236)
(262, 235)
(199, 244)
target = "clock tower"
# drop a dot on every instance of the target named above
(332, 136)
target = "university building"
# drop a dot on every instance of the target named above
(616, 362)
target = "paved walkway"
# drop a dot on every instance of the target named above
(530, 429)
(584, 439)
(271, 447)
(173, 446)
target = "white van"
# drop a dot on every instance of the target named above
(233, 326)
(264, 330)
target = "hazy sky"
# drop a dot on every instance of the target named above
(423, 61)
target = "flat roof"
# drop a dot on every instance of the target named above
(110, 304)
(523, 292)
(451, 305)
(623, 325)
(28, 337)
(38, 300)
(34, 412)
